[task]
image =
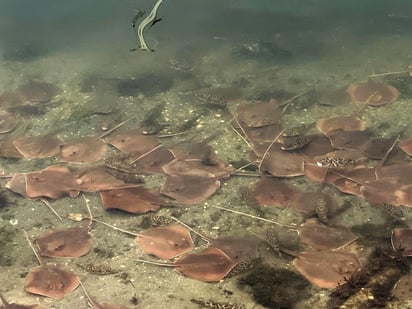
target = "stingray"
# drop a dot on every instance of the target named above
(272, 192)
(404, 195)
(362, 182)
(373, 93)
(281, 163)
(344, 123)
(49, 280)
(320, 172)
(34, 147)
(189, 190)
(8, 99)
(7, 305)
(308, 201)
(326, 269)
(238, 248)
(406, 146)
(8, 150)
(35, 91)
(133, 142)
(402, 241)
(263, 134)
(87, 149)
(8, 122)
(165, 242)
(195, 167)
(65, 242)
(319, 145)
(209, 265)
(312, 233)
(153, 162)
(53, 182)
(198, 150)
(350, 140)
(258, 114)
(379, 148)
(325, 237)
(97, 178)
(135, 200)
(17, 184)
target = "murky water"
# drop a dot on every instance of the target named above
(209, 57)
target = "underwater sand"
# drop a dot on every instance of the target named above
(246, 50)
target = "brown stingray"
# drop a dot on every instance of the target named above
(346, 185)
(402, 290)
(350, 140)
(196, 150)
(237, 248)
(379, 148)
(325, 237)
(344, 123)
(362, 182)
(165, 242)
(406, 146)
(195, 158)
(326, 269)
(319, 145)
(65, 242)
(258, 114)
(403, 196)
(8, 99)
(8, 150)
(195, 167)
(402, 241)
(263, 134)
(35, 91)
(33, 147)
(307, 202)
(272, 192)
(87, 149)
(135, 200)
(51, 281)
(314, 172)
(209, 265)
(133, 142)
(153, 162)
(97, 178)
(17, 184)
(8, 122)
(189, 190)
(53, 182)
(281, 163)
(8, 305)
(373, 93)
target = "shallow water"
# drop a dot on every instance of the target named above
(229, 49)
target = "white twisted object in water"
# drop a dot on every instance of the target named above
(148, 20)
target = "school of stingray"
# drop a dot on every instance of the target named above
(339, 151)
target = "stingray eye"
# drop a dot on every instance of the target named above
(376, 97)
(59, 248)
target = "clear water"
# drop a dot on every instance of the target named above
(234, 49)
